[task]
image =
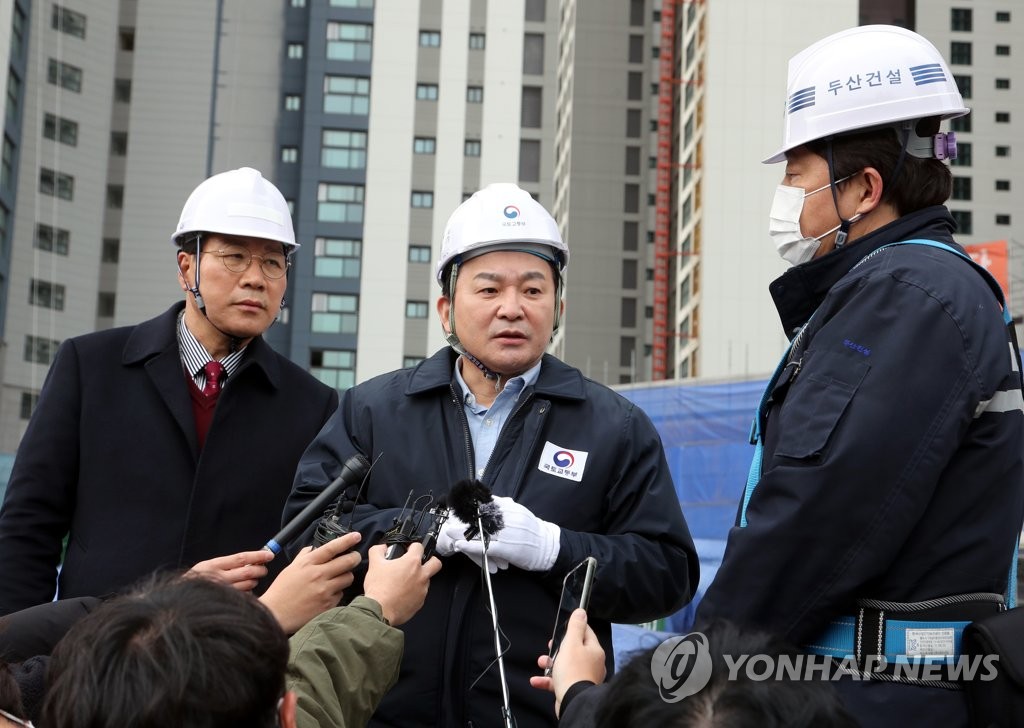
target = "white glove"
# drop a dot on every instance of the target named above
(526, 541)
(453, 530)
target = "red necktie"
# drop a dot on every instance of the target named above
(214, 372)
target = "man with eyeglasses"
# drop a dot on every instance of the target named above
(171, 444)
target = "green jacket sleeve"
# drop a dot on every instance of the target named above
(341, 665)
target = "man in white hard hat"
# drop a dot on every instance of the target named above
(886, 496)
(575, 469)
(170, 444)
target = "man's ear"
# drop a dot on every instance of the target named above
(443, 309)
(870, 191)
(286, 713)
(184, 264)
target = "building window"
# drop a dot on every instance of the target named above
(419, 254)
(536, 10)
(365, 4)
(411, 361)
(60, 129)
(1001, 151)
(1002, 219)
(1002, 185)
(339, 203)
(111, 250)
(126, 39)
(105, 304)
(335, 313)
(963, 155)
(636, 12)
(51, 239)
(7, 164)
(334, 367)
(529, 160)
(17, 33)
(1002, 16)
(430, 38)
(118, 143)
(426, 91)
(46, 295)
(297, 3)
(530, 114)
(289, 155)
(962, 19)
(632, 160)
(631, 201)
(634, 85)
(56, 184)
(961, 188)
(337, 257)
(629, 273)
(67, 21)
(1002, 117)
(64, 75)
(627, 350)
(630, 235)
(960, 123)
(343, 149)
(13, 96)
(627, 314)
(960, 53)
(963, 83)
(293, 102)
(477, 41)
(28, 404)
(475, 94)
(1002, 83)
(39, 349)
(115, 197)
(123, 90)
(472, 148)
(1002, 50)
(416, 309)
(636, 49)
(347, 95)
(964, 223)
(533, 53)
(295, 51)
(633, 117)
(422, 199)
(424, 145)
(349, 41)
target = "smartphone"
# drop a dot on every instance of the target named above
(575, 595)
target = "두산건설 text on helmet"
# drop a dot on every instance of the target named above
(867, 77)
(238, 202)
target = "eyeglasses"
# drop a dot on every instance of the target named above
(237, 260)
(16, 720)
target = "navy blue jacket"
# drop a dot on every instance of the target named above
(893, 469)
(624, 512)
(111, 456)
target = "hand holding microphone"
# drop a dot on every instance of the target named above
(526, 541)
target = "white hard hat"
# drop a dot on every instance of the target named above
(239, 202)
(501, 216)
(865, 77)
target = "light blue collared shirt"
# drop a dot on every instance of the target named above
(485, 423)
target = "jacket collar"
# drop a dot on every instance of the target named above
(556, 378)
(159, 335)
(801, 289)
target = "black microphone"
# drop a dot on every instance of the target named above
(471, 500)
(353, 472)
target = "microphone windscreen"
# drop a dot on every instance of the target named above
(491, 518)
(465, 498)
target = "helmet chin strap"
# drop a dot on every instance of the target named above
(453, 339)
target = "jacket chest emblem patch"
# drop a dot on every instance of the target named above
(562, 462)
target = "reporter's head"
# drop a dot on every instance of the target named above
(175, 652)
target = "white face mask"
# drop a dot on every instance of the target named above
(784, 224)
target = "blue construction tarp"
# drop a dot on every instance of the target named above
(705, 429)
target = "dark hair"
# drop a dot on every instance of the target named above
(920, 182)
(633, 697)
(175, 652)
(10, 693)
